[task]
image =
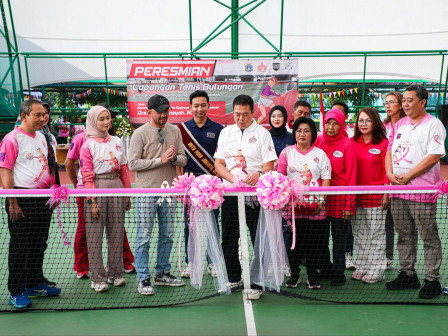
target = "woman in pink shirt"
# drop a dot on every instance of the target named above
(370, 145)
(340, 208)
(104, 165)
(395, 112)
(308, 165)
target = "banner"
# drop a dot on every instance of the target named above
(268, 81)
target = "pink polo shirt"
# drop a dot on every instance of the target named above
(74, 153)
(371, 159)
(343, 173)
(26, 156)
(409, 144)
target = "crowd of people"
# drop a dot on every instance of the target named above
(405, 149)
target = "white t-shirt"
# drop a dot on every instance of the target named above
(309, 168)
(410, 144)
(26, 156)
(245, 152)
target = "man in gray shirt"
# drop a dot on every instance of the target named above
(155, 150)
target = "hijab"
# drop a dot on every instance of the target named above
(92, 130)
(340, 119)
(282, 129)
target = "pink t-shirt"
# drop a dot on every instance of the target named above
(309, 168)
(410, 144)
(371, 159)
(388, 128)
(64, 129)
(77, 129)
(26, 156)
(74, 153)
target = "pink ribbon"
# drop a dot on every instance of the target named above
(59, 196)
(436, 139)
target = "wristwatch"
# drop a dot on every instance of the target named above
(175, 159)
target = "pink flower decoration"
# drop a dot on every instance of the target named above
(274, 190)
(59, 196)
(206, 192)
(298, 189)
(442, 188)
(184, 181)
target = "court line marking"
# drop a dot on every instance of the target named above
(250, 319)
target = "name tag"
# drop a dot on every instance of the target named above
(374, 151)
(338, 154)
(211, 135)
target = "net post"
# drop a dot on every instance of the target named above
(244, 242)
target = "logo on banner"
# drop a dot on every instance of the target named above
(249, 67)
(374, 151)
(262, 67)
(338, 154)
(253, 140)
(276, 66)
(289, 66)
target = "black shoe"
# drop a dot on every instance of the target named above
(50, 283)
(313, 280)
(338, 280)
(430, 289)
(293, 281)
(403, 281)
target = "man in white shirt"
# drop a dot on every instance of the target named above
(416, 145)
(245, 150)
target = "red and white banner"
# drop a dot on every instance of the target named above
(269, 82)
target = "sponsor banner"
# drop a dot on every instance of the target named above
(269, 82)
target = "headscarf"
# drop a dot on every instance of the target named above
(340, 118)
(92, 116)
(282, 129)
(52, 165)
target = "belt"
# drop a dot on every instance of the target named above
(107, 176)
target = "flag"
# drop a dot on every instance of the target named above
(322, 114)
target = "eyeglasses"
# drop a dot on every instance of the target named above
(366, 122)
(161, 139)
(390, 102)
(304, 131)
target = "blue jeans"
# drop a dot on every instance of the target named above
(187, 231)
(147, 208)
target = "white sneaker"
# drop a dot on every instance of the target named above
(119, 282)
(145, 288)
(212, 270)
(99, 286)
(349, 262)
(186, 272)
(253, 294)
(287, 270)
(389, 264)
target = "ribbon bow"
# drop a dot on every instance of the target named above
(59, 196)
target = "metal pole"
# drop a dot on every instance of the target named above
(440, 85)
(16, 45)
(191, 29)
(244, 241)
(364, 80)
(107, 82)
(446, 83)
(10, 55)
(281, 26)
(234, 29)
(27, 75)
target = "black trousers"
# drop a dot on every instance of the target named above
(231, 233)
(310, 244)
(338, 232)
(27, 243)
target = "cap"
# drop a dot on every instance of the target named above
(158, 103)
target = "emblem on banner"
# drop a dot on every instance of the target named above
(262, 67)
(289, 66)
(276, 66)
(249, 67)
(253, 140)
